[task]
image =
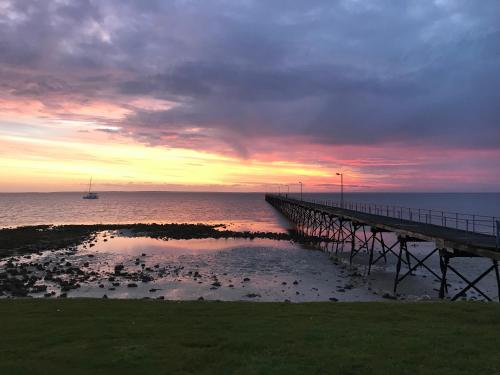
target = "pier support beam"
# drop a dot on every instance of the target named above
(445, 257)
(330, 226)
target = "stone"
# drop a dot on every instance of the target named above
(389, 296)
(253, 295)
(118, 269)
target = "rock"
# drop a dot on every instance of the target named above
(105, 297)
(118, 269)
(38, 289)
(101, 286)
(146, 278)
(132, 285)
(160, 297)
(253, 295)
(216, 284)
(389, 296)
(295, 282)
(246, 279)
(333, 299)
(63, 295)
(201, 299)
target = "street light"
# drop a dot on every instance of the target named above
(300, 190)
(288, 190)
(341, 189)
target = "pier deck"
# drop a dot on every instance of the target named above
(341, 225)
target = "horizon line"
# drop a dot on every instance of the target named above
(252, 192)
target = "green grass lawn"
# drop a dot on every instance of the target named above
(85, 336)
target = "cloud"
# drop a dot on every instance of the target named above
(330, 73)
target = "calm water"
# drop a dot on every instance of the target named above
(276, 270)
(243, 211)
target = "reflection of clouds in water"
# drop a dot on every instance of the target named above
(277, 270)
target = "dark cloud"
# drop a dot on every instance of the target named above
(333, 72)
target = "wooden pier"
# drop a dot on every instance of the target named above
(360, 231)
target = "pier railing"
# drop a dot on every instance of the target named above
(482, 224)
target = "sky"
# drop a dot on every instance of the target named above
(228, 95)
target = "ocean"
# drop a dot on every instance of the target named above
(229, 269)
(241, 211)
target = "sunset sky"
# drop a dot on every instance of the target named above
(245, 95)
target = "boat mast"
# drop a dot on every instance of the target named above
(90, 184)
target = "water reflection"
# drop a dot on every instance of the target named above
(117, 266)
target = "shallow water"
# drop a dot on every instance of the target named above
(235, 269)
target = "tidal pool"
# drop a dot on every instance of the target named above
(114, 265)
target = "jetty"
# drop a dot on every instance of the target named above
(360, 228)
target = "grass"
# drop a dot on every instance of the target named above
(85, 336)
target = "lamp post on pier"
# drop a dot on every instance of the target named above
(288, 190)
(300, 190)
(341, 189)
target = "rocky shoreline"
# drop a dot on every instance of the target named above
(23, 274)
(33, 239)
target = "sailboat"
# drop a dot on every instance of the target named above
(90, 194)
